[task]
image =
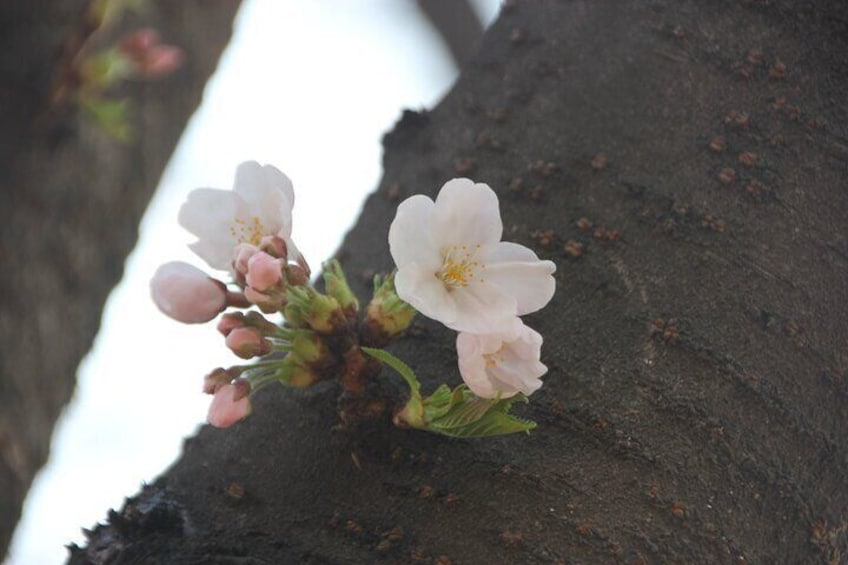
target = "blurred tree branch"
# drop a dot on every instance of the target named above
(71, 198)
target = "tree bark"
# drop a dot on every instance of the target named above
(684, 164)
(70, 202)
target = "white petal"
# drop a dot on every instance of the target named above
(268, 194)
(217, 255)
(501, 363)
(425, 292)
(472, 365)
(482, 309)
(409, 234)
(517, 271)
(208, 213)
(466, 213)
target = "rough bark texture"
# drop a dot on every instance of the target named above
(696, 406)
(70, 202)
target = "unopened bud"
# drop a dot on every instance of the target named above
(337, 287)
(243, 253)
(229, 322)
(387, 316)
(320, 312)
(311, 349)
(263, 271)
(216, 379)
(294, 372)
(275, 246)
(248, 342)
(187, 294)
(296, 275)
(229, 406)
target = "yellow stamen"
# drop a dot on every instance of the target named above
(459, 268)
(251, 231)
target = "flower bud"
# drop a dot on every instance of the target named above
(187, 294)
(248, 342)
(229, 405)
(263, 271)
(320, 312)
(265, 302)
(337, 287)
(218, 378)
(296, 275)
(311, 349)
(387, 315)
(294, 372)
(242, 254)
(148, 57)
(230, 321)
(275, 246)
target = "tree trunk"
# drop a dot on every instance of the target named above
(71, 199)
(684, 164)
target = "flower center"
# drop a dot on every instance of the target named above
(248, 231)
(494, 359)
(459, 268)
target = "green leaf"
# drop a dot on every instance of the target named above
(398, 365)
(493, 423)
(439, 403)
(471, 416)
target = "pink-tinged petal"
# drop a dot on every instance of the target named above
(482, 308)
(208, 213)
(419, 287)
(187, 294)
(409, 234)
(225, 410)
(269, 195)
(527, 279)
(217, 255)
(501, 364)
(466, 213)
(472, 365)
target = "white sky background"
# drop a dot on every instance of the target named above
(307, 85)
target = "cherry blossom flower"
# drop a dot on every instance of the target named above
(259, 205)
(229, 405)
(501, 364)
(453, 267)
(187, 294)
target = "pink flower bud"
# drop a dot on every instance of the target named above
(228, 406)
(266, 303)
(296, 275)
(275, 246)
(243, 253)
(229, 322)
(216, 379)
(150, 59)
(248, 342)
(187, 294)
(263, 271)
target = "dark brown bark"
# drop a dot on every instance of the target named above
(457, 23)
(70, 202)
(696, 406)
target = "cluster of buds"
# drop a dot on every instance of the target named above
(454, 271)
(93, 76)
(247, 233)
